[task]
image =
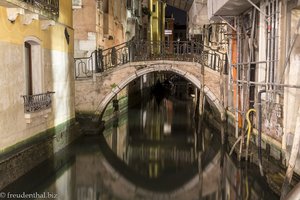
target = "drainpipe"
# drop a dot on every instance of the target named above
(259, 130)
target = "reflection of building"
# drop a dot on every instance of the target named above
(153, 160)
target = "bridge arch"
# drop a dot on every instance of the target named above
(129, 72)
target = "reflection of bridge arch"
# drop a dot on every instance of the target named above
(189, 190)
(128, 184)
(106, 85)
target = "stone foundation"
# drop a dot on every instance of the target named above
(22, 157)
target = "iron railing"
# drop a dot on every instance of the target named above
(37, 102)
(214, 59)
(49, 6)
(133, 51)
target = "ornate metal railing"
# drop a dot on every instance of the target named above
(133, 51)
(49, 6)
(37, 102)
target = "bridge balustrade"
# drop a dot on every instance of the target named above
(134, 51)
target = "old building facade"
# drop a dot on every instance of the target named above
(106, 24)
(37, 84)
(261, 45)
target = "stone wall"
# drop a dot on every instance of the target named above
(31, 152)
(92, 95)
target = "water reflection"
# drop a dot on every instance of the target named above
(162, 142)
(152, 151)
(152, 140)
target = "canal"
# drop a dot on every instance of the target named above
(150, 150)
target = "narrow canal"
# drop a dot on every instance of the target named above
(152, 150)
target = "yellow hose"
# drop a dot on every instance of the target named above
(249, 130)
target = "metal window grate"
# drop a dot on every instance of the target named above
(37, 102)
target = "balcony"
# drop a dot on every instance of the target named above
(227, 7)
(38, 102)
(37, 106)
(47, 9)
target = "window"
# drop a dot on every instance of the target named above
(105, 17)
(116, 8)
(129, 4)
(76, 4)
(28, 69)
(37, 103)
(33, 67)
(153, 8)
(105, 6)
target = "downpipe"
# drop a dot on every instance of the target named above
(259, 130)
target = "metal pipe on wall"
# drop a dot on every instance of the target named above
(238, 102)
(269, 84)
(272, 45)
(259, 122)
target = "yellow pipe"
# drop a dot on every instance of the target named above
(249, 130)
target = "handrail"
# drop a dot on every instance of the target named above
(134, 51)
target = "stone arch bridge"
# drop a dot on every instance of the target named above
(100, 77)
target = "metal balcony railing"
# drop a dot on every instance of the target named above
(38, 102)
(134, 51)
(49, 6)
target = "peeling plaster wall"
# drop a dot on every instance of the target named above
(291, 95)
(57, 69)
(89, 26)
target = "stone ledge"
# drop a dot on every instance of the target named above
(30, 116)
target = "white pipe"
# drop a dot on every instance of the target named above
(227, 23)
(267, 84)
(255, 6)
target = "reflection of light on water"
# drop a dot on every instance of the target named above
(144, 118)
(167, 128)
(145, 78)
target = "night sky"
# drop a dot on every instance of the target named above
(179, 15)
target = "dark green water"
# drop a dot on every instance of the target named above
(153, 150)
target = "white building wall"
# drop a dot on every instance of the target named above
(58, 77)
(197, 17)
